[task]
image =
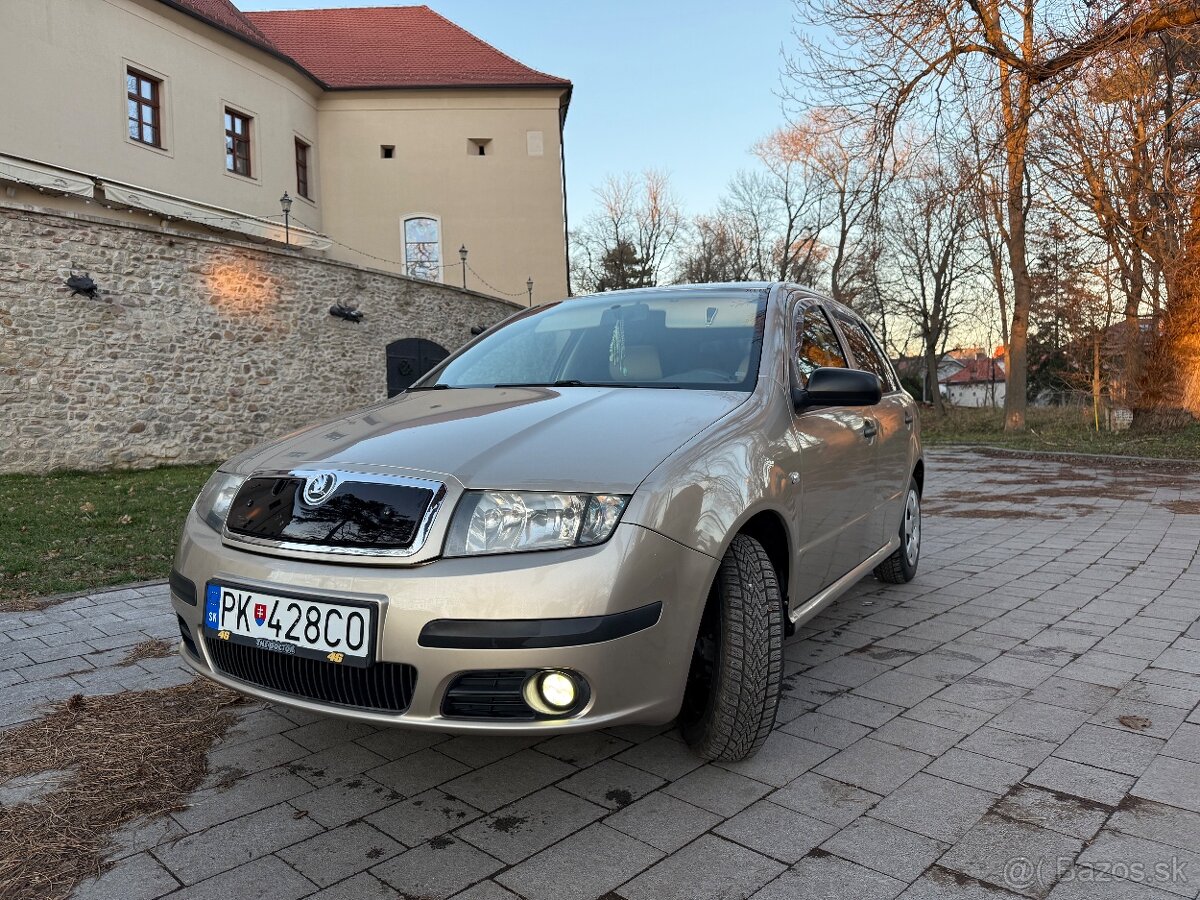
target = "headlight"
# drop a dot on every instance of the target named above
(217, 496)
(514, 521)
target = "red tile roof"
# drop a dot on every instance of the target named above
(390, 47)
(976, 371)
(225, 16)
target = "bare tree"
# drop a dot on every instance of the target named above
(1117, 149)
(769, 222)
(798, 188)
(743, 238)
(856, 182)
(751, 207)
(627, 242)
(981, 148)
(930, 254)
(716, 250)
(898, 57)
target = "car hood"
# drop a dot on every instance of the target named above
(575, 438)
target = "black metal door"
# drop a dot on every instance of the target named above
(410, 358)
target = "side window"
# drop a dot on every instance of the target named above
(237, 142)
(866, 352)
(816, 343)
(891, 381)
(144, 102)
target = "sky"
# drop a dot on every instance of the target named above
(682, 87)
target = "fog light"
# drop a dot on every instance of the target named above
(558, 690)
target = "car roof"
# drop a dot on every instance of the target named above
(727, 288)
(722, 287)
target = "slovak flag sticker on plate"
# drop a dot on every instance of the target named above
(260, 613)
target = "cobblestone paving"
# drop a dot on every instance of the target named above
(1021, 720)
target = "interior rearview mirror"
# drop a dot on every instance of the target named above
(829, 386)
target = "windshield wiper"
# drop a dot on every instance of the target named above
(566, 382)
(575, 382)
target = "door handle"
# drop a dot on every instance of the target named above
(870, 428)
(908, 417)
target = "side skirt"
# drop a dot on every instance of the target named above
(839, 587)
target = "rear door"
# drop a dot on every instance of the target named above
(834, 461)
(892, 420)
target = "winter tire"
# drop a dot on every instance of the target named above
(733, 687)
(901, 566)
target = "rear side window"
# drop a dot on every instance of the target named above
(817, 344)
(866, 352)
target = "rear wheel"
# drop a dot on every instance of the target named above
(733, 684)
(901, 566)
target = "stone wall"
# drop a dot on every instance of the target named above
(196, 347)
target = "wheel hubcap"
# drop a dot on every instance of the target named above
(912, 528)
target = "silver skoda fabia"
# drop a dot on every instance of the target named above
(604, 511)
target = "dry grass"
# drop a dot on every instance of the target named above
(155, 648)
(933, 509)
(132, 755)
(1057, 429)
(1044, 492)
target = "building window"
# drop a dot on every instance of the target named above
(237, 143)
(478, 146)
(422, 248)
(302, 169)
(144, 103)
(387, 151)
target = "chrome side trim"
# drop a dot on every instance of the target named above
(810, 608)
(241, 541)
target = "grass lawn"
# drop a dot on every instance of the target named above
(1055, 429)
(76, 531)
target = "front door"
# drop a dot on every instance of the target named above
(410, 358)
(834, 461)
(894, 418)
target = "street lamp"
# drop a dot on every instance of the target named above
(285, 203)
(462, 254)
(529, 288)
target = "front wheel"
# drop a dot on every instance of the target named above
(901, 566)
(733, 684)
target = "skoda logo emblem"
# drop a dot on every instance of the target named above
(319, 487)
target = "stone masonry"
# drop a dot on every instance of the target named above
(196, 347)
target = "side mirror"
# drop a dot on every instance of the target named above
(829, 386)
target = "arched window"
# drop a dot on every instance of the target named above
(423, 248)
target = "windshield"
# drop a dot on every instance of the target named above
(703, 341)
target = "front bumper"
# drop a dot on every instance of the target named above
(637, 677)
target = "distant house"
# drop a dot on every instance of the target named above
(398, 136)
(913, 368)
(979, 383)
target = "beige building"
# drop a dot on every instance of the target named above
(398, 136)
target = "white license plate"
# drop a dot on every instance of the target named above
(317, 629)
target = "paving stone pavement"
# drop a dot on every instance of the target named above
(965, 735)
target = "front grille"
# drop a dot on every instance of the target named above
(381, 687)
(488, 695)
(381, 515)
